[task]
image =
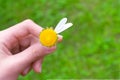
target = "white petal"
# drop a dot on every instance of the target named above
(60, 24)
(64, 27)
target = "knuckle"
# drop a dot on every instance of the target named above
(28, 21)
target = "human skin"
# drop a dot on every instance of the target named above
(21, 51)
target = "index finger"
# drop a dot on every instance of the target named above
(24, 28)
(15, 33)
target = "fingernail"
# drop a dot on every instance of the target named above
(40, 70)
(60, 36)
(26, 71)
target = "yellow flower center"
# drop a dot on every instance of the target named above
(48, 37)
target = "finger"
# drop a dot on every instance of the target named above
(22, 45)
(60, 37)
(49, 49)
(24, 28)
(25, 42)
(29, 40)
(19, 31)
(28, 56)
(37, 66)
(15, 49)
(26, 71)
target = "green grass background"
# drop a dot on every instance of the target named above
(90, 49)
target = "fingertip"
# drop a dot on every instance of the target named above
(60, 37)
(26, 71)
(37, 66)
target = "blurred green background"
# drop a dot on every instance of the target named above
(90, 49)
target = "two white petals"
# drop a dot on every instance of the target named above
(62, 25)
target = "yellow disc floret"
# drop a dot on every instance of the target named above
(48, 37)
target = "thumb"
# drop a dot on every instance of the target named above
(28, 56)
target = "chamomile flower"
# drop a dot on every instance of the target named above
(48, 37)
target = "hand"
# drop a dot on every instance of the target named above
(21, 51)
